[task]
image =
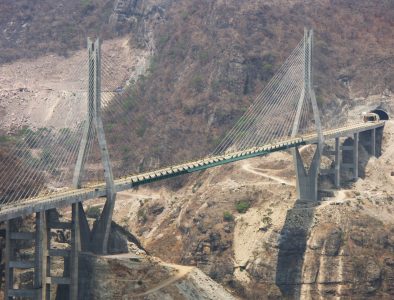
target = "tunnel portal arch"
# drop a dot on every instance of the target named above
(383, 115)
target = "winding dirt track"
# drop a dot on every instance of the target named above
(248, 168)
(182, 271)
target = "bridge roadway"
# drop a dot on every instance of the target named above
(56, 200)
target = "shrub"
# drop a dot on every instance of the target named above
(46, 156)
(109, 127)
(143, 125)
(319, 100)
(228, 217)
(267, 220)
(216, 86)
(197, 83)
(203, 57)
(4, 138)
(125, 220)
(142, 217)
(196, 186)
(163, 40)
(242, 206)
(153, 64)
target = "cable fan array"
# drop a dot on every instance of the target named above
(272, 115)
(118, 100)
(41, 159)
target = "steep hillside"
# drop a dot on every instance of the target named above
(212, 58)
(128, 276)
(242, 225)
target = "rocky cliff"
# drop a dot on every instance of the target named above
(242, 225)
(205, 62)
(208, 60)
(212, 58)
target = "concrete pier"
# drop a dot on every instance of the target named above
(307, 181)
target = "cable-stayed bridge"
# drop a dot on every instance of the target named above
(283, 116)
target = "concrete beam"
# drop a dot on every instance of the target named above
(51, 202)
(347, 148)
(60, 225)
(329, 152)
(22, 236)
(347, 166)
(59, 252)
(58, 280)
(23, 293)
(326, 171)
(21, 264)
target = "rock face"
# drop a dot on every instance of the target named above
(212, 58)
(133, 277)
(122, 241)
(279, 248)
(207, 61)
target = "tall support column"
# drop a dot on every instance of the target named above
(100, 234)
(103, 227)
(307, 182)
(373, 142)
(355, 155)
(41, 253)
(338, 155)
(83, 147)
(47, 245)
(78, 214)
(75, 249)
(9, 256)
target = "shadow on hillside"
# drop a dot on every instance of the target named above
(292, 246)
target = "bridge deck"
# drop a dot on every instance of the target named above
(60, 199)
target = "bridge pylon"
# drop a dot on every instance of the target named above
(97, 240)
(307, 178)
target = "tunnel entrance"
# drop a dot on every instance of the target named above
(383, 115)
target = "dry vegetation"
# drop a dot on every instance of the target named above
(213, 58)
(33, 28)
